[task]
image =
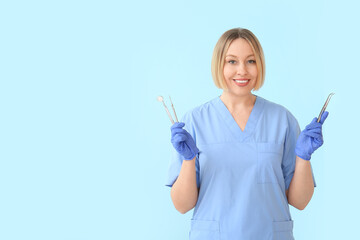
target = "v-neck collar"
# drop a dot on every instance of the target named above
(232, 124)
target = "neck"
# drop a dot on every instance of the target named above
(235, 103)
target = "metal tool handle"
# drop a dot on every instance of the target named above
(168, 113)
(172, 105)
(161, 99)
(325, 105)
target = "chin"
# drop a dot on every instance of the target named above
(242, 93)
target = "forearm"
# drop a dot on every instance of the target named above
(184, 192)
(302, 185)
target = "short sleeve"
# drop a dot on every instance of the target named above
(289, 156)
(177, 159)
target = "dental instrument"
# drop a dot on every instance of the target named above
(325, 105)
(161, 99)
(173, 110)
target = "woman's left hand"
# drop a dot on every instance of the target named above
(310, 138)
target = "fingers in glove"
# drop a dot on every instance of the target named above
(318, 141)
(313, 125)
(313, 130)
(179, 137)
(323, 117)
(178, 130)
(178, 125)
(313, 121)
(314, 135)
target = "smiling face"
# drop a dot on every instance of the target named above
(240, 70)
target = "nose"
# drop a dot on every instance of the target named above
(241, 69)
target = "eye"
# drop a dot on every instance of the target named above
(251, 61)
(232, 61)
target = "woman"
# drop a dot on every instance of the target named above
(240, 160)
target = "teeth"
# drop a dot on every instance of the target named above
(241, 81)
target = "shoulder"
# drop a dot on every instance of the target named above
(196, 118)
(279, 110)
(199, 111)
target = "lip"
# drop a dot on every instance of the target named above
(242, 84)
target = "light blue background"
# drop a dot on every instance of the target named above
(85, 146)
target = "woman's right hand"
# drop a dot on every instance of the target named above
(183, 141)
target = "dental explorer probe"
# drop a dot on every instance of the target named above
(173, 110)
(325, 105)
(161, 99)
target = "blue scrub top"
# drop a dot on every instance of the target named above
(241, 175)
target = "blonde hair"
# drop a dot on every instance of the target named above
(222, 46)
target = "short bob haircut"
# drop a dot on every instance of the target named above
(221, 48)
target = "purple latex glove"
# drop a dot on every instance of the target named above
(183, 141)
(310, 138)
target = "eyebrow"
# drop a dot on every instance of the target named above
(236, 56)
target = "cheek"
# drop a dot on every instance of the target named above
(228, 72)
(254, 71)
